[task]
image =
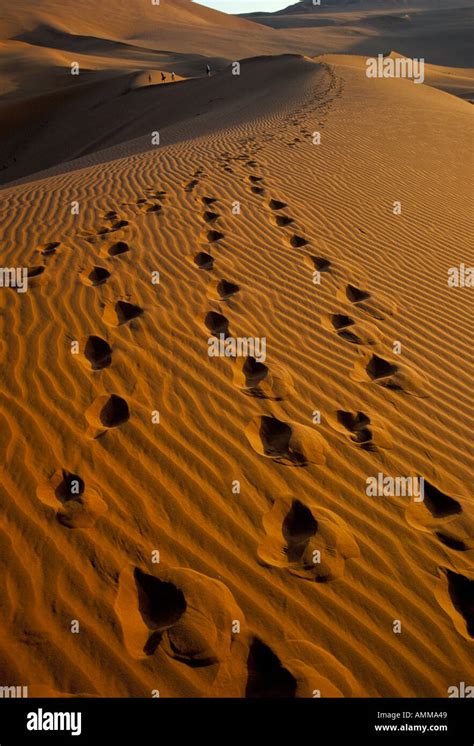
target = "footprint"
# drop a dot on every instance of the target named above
(120, 312)
(106, 412)
(209, 200)
(282, 221)
(257, 190)
(186, 615)
(203, 260)
(297, 668)
(363, 300)
(117, 248)
(216, 323)
(222, 289)
(152, 208)
(311, 544)
(35, 271)
(110, 215)
(210, 217)
(80, 508)
(255, 379)
(450, 519)
(346, 328)
(48, 249)
(191, 185)
(255, 179)
(455, 594)
(276, 204)
(211, 236)
(267, 678)
(297, 242)
(318, 263)
(97, 353)
(390, 375)
(118, 225)
(289, 444)
(357, 426)
(95, 276)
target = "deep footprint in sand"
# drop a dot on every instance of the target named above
(186, 615)
(346, 328)
(256, 379)
(449, 518)
(358, 427)
(297, 242)
(210, 217)
(117, 248)
(296, 668)
(318, 263)
(120, 312)
(105, 413)
(216, 323)
(455, 594)
(391, 375)
(222, 290)
(267, 678)
(95, 352)
(95, 276)
(282, 221)
(287, 443)
(311, 543)
(35, 271)
(258, 190)
(209, 200)
(80, 507)
(203, 260)
(378, 307)
(50, 248)
(276, 204)
(211, 236)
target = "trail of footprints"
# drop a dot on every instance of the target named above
(188, 616)
(80, 507)
(295, 531)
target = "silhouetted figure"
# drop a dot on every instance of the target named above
(149, 78)
(163, 77)
(172, 76)
(208, 71)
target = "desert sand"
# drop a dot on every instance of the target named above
(161, 508)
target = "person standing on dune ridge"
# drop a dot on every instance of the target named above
(208, 71)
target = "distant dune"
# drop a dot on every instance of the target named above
(205, 519)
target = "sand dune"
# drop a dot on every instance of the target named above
(171, 503)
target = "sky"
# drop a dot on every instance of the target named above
(246, 6)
